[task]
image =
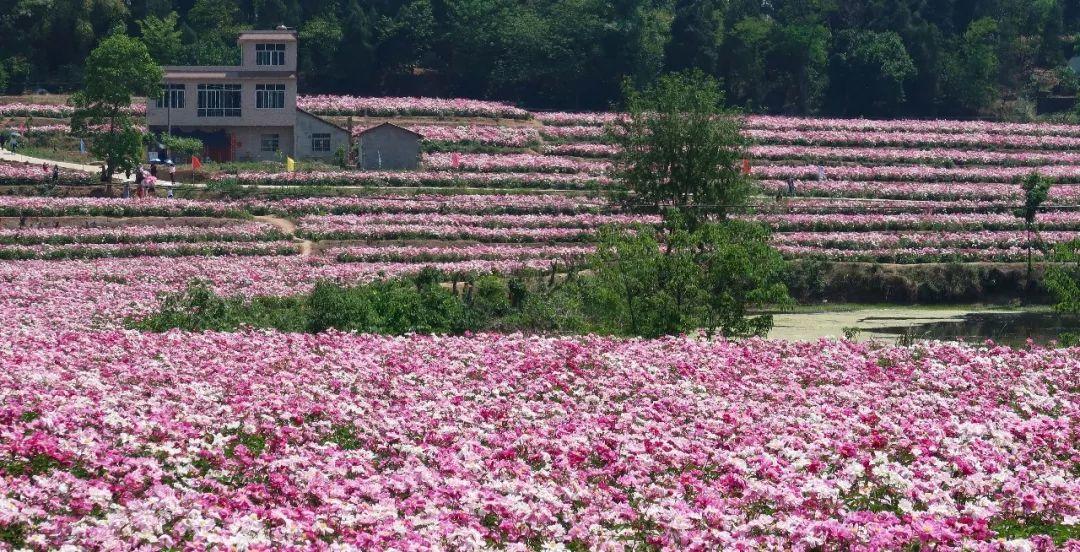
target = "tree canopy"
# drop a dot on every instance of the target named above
(909, 57)
(681, 149)
(119, 69)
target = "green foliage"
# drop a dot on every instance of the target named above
(198, 308)
(162, 38)
(116, 71)
(782, 57)
(681, 149)
(696, 31)
(1063, 277)
(712, 279)
(181, 148)
(1025, 528)
(971, 68)
(389, 307)
(1036, 190)
(870, 70)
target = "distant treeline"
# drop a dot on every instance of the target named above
(837, 57)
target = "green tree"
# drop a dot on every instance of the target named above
(682, 149)
(748, 45)
(970, 82)
(696, 33)
(870, 70)
(181, 148)
(162, 38)
(799, 60)
(321, 37)
(118, 69)
(647, 284)
(1036, 190)
(1063, 277)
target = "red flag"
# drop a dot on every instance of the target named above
(746, 166)
(195, 163)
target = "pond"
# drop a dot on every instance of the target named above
(1006, 328)
(890, 324)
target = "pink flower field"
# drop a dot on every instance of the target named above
(116, 439)
(119, 439)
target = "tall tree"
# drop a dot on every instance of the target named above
(971, 70)
(696, 33)
(117, 70)
(162, 38)
(870, 70)
(681, 149)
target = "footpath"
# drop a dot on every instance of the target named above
(6, 155)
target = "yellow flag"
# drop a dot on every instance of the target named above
(290, 165)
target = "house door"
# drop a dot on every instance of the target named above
(217, 146)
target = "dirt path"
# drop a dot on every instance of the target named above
(6, 155)
(287, 227)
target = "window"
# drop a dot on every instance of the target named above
(270, 96)
(270, 142)
(172, 96)
(320, 142)
(219, 100)
(269, 54)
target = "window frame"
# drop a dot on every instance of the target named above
(317, 137)
(264, 93)
(219, 100)
(176, 94)
(270, 54)
(272, 138)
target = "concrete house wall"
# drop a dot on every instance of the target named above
(307, 125)
(241, 138)
(249, 115)
(389, 148)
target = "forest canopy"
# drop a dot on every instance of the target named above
(835, 57)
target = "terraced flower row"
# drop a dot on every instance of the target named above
(408, 106)
(1063, 194)
(791, 222)
(120, 440)
(878, 240)
(512, 162)
(31, 175)
(911, 255)
(37, 206)
(134, 233)
(510, 228)
(821, 154)
(490, 135)
(435, 179)
(870, 138)
(14, 206)
(149, 249)
(772, 122)
(1063, 174)
(456, 252)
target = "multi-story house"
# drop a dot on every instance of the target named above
(245, 112)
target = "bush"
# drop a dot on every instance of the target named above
(392, 307)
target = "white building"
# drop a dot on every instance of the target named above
(245, 112)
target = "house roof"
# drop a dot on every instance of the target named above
(389, 124)
(282, 35)
(316, 117)
(197, 72)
